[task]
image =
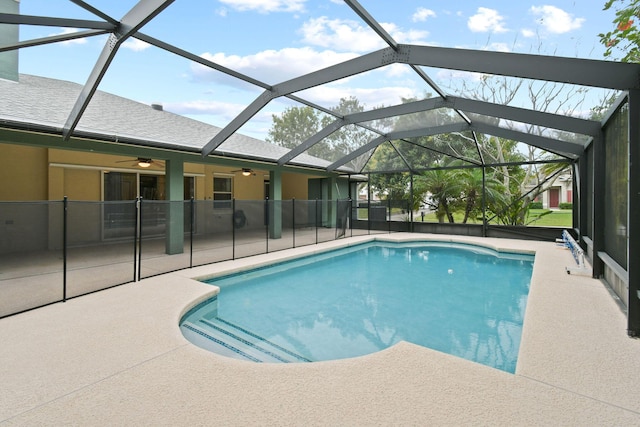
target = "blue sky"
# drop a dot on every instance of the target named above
(275, 40)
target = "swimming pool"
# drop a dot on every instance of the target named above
(465, 300)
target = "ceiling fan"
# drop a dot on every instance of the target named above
(143, 162)
(245, 171)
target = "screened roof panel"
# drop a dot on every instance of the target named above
(559, 98)
(532, 128)
(197, 60)
(386, 158)
(338, 144)
(380, 87)
(426, 119)
(422, 156)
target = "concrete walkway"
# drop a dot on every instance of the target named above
(117, 357)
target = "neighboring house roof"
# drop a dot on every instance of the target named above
(45, 103)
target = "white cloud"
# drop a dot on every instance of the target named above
(65, 31)
(486, 21)
(266, 6)
(274, 67)
(409, 37)
(370, 97)
(339, 34)
(135, 44)
(556, 20)
(343, 34)
(270, 66)
(527, 33)
(421, 14)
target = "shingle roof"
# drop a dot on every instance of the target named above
(47, 102)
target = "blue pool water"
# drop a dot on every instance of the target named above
(459, 299)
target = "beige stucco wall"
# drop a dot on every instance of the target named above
(295, 186)
(80, 184)
(31, 173)
(23, 173)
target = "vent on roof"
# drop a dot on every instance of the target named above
(157, 106)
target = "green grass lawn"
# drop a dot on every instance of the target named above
(556, 218)
(561, 218)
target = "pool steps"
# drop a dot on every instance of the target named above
(225, 338)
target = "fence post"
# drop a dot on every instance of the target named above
(64, 248)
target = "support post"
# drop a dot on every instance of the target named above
(65, 207)
(633, 230)
(368, 203)
(598, 203)
(484, 201)
(329, 195)
(293, 220)
(275, 204)
(138, 234)
(174, 242)
(411, 202)
(581, 185)
(192, 213)
(233, 229)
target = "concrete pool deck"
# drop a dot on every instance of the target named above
(117, 357)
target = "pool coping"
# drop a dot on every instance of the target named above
(118, 357)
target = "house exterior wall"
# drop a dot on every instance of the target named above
(564, 189)
(293, 187)
(23, 173)
(34, 173)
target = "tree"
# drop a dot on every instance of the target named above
(444, 192)
(625, 37)
(297, 124)
(294, 126)
(543, 96)
(351, 137)
(472, 187)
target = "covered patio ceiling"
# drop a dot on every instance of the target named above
(559, 133)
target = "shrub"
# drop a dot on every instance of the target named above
(565, 205)
(535, 205)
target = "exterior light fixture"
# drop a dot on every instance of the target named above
(246, 172)
(144, 163)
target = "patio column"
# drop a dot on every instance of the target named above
(633, 229)
(275, 204)
(329, 199)
(598, 203)
(580, 173)
(174, 242)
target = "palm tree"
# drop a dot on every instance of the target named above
(445, 192)
(472, 186)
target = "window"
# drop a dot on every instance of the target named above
(121, 188)
(222, 192)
